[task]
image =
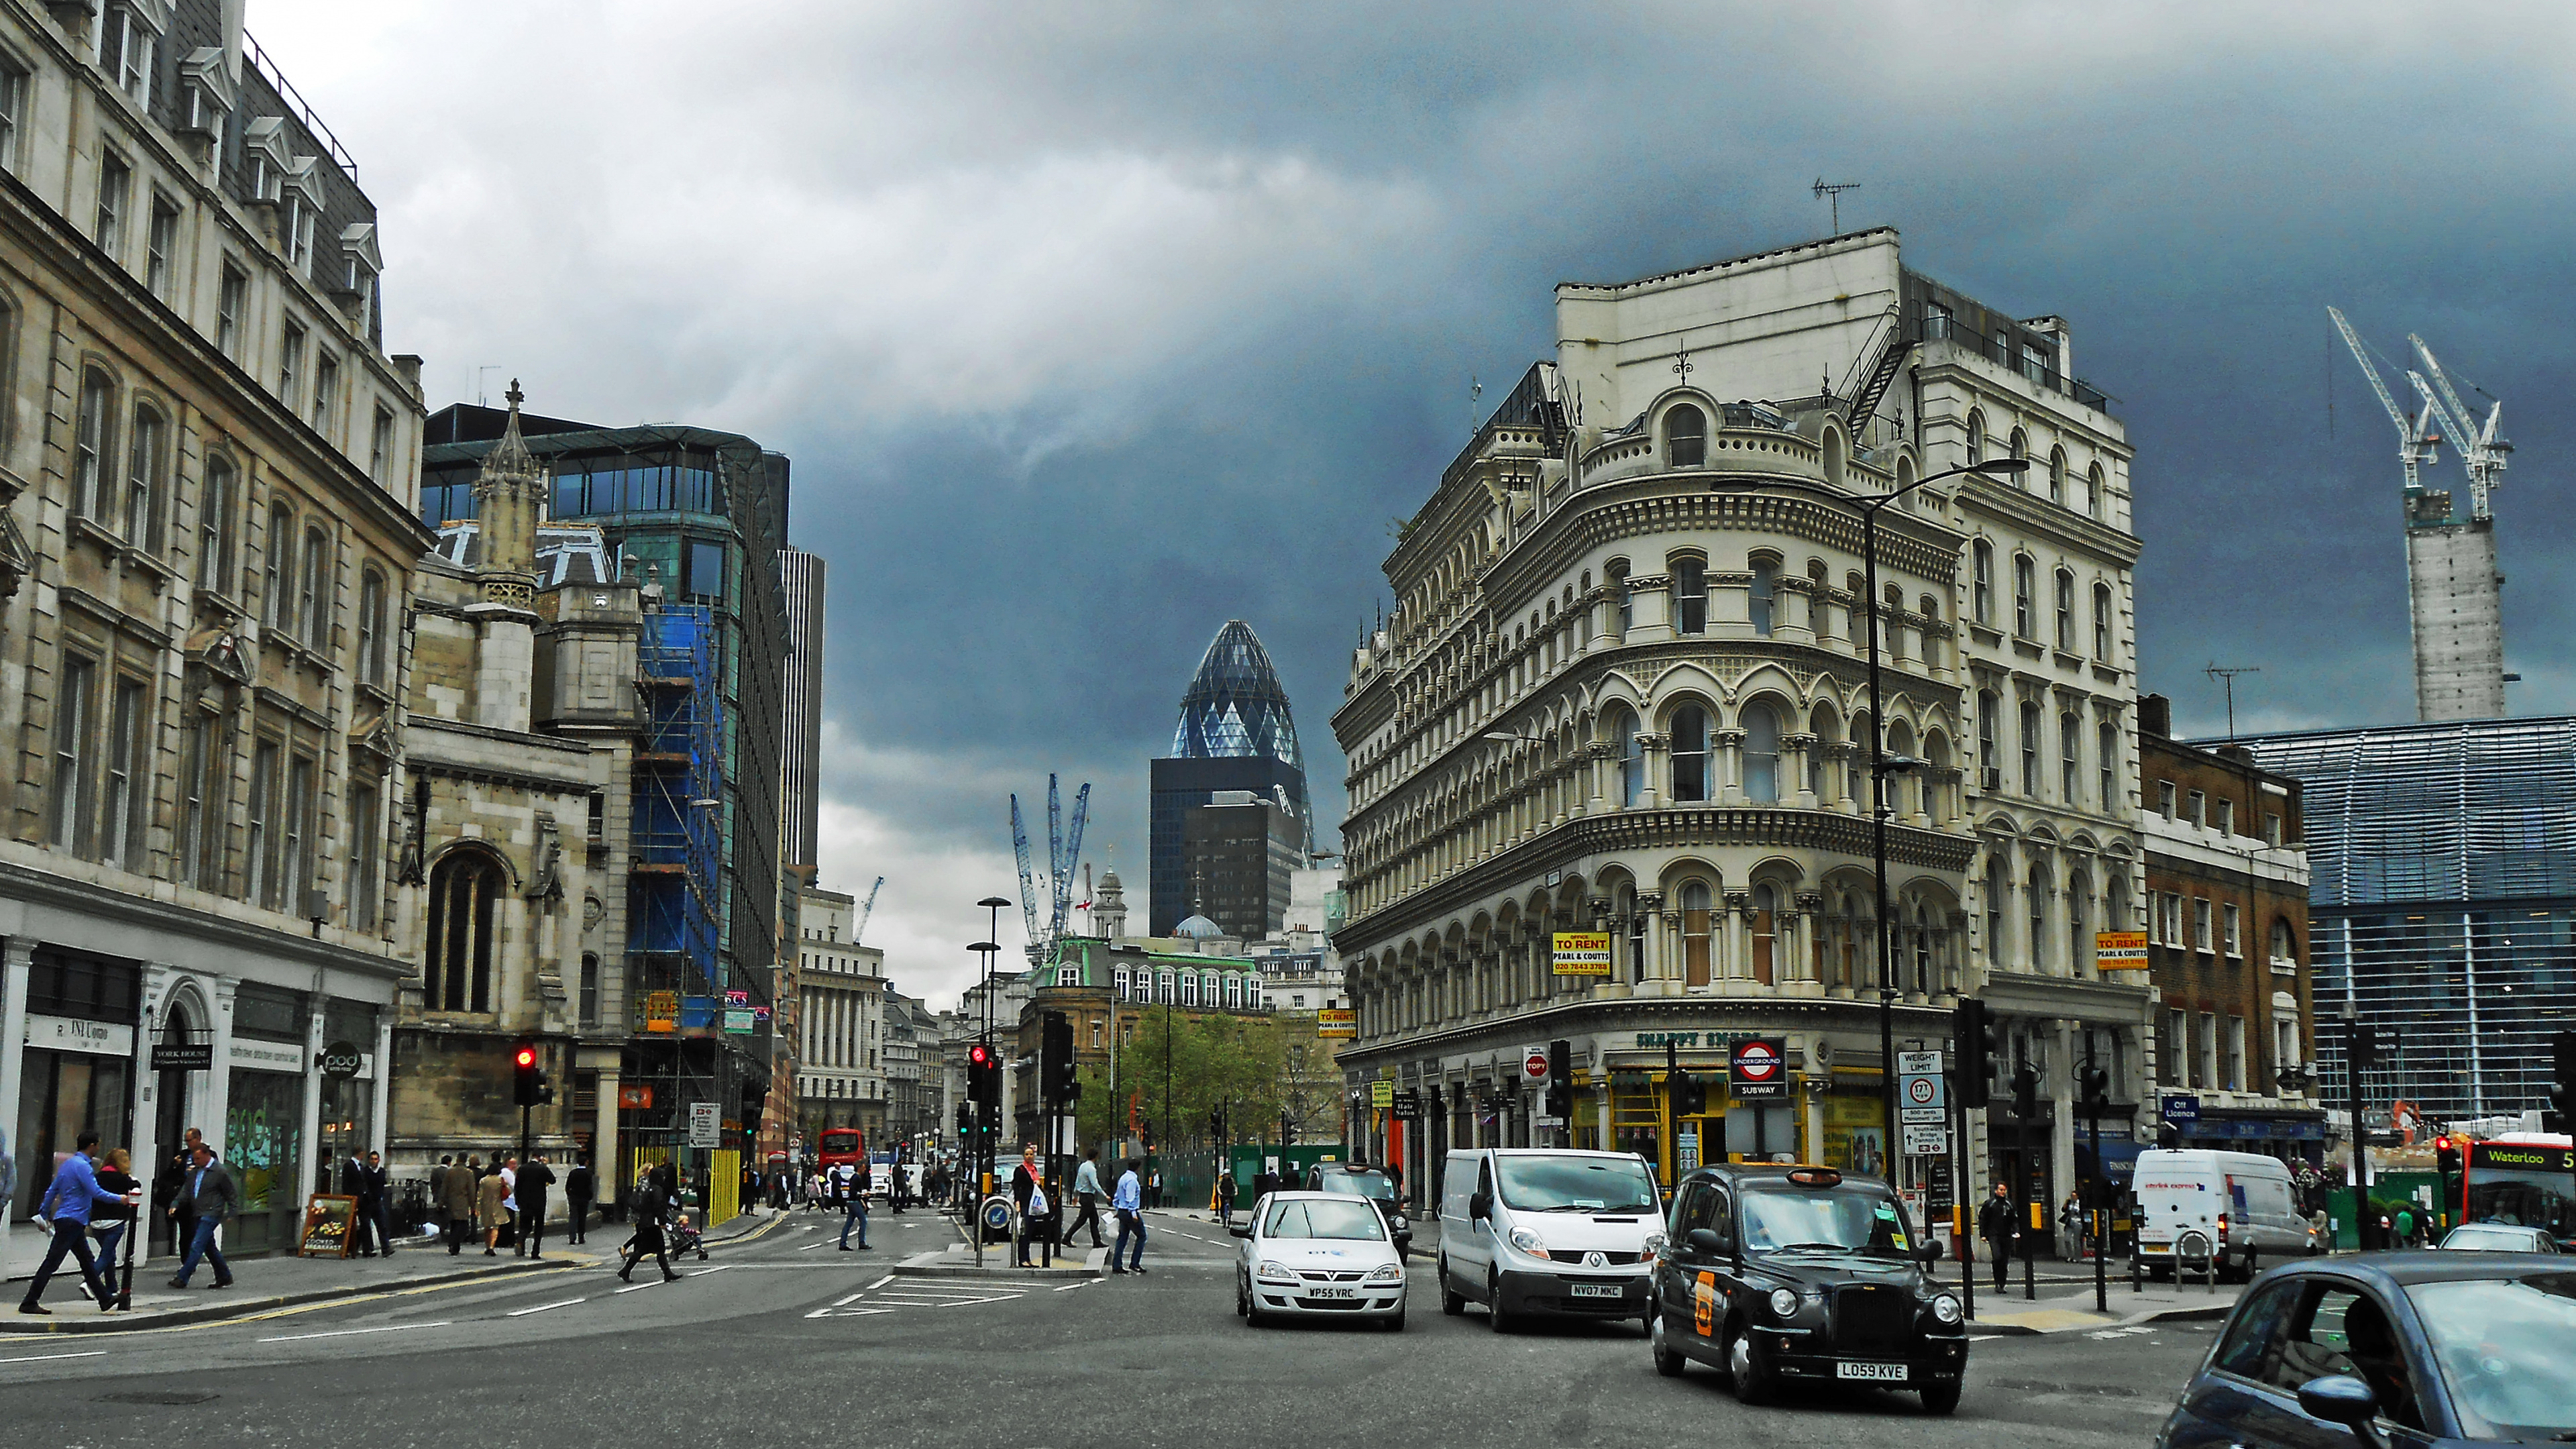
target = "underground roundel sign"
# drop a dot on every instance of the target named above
(1758, 1067)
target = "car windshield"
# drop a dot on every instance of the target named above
(2507, 1350)
(1576, 1184)
(1324, 1218)
(2511, 1240)
(1780, 1215)
(1365, 1184)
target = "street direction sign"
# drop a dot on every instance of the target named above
(1758, 1067)
(2181, 1108)
(1926, 1141)
(705, 1127)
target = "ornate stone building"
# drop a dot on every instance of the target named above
(1623, 690)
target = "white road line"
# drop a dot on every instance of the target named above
(881, 1282)
(347, 1332)
(542, 1307)
(821, 1243)
(853, 1298)
(640, 1287)
(1069, 1287)
(703, 1272)
(50, 1357)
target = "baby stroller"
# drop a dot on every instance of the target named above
(686, 1239)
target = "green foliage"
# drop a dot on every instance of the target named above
(1215, 1061)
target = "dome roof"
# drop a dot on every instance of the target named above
(1235, 707)
(1198, 928)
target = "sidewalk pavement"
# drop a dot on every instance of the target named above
(2058, 1310)
(263, 1284)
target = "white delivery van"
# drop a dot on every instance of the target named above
(1526, 1230)
(2236, 1208)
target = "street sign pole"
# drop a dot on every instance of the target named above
(2095, 1213)
(1963, 1222)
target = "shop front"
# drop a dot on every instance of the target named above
(76, 1073)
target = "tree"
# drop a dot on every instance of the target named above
(1215, 1062)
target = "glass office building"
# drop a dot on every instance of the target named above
(2442, 904)
(1234, 733)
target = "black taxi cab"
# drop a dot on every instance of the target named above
(1778, 1274)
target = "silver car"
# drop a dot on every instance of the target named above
(1318, 1255)
(2499, 1238)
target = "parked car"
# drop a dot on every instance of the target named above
(2234, 1209)
(1317, 1255)
(1538, 1230)
(1358, 1179)
(1780, 1274)
(2499, 1238)
(2416, 1348)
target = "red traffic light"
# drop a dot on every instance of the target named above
(527, 1057)
(979, 1055)
(2441, 1144)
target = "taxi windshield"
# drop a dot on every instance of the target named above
(1781, 1215)
(1362, 1184)
(1576, 1184)
(2506, 1348)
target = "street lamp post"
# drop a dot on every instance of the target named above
(986, 1129)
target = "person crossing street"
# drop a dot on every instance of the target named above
(68, 1204)
(854, 1198)
(1086, 1191)
(1129, 1203)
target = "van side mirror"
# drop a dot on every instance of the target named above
(1480, 1205)
(2341, 1399)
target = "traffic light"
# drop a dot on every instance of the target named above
(965, 1119)
(1690, 1095)
(1560, 1078)
(1978, 1053)
(983, 1076)
(526, 1080)
(2093, 1092)
(2562, 1092)
(2446, 1156)
(1055, 1055)
(2025, 1092)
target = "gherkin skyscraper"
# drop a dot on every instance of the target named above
(1234, 735)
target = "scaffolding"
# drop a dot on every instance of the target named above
(2442, 868)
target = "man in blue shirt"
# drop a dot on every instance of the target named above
(68, 1203)
(1127, 1200)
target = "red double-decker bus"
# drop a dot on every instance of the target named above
(2522, 1178)
(837, 1145)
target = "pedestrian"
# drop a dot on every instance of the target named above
(212, 1196)
(1154, 1189)
(580, 1186)
(1225, 1197)
(108, 1225)
(1264, 1183)
(1997, 1225)
(376, 1204)
(491, 1204)
(1087, 1193)
(2070, 1227)
(1128, 1202)
(2405, 1227)
(2320, 1233)
(854, 1208)
(652, 1203)
(68, 1202)
(167, 1191)
(1028, 1185)
(535, 1182)
(438, 1178)
(454, 1201)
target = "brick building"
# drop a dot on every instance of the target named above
(2227, 933)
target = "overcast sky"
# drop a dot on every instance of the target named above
(1089, 327)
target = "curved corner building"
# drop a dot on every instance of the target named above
(1234, 738)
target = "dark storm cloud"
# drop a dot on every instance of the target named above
(1092, 327)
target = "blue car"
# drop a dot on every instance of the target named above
(2390, 1351)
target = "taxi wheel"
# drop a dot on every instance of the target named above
(1452, 1302)
(1667, 1362)
(1941, 1399)
(1754, 1382)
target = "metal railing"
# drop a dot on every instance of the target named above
(303, 109)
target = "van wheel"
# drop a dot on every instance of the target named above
(1452, 1302)
(1495, 1318)
(1668, 1362)
(1940, 1398)
(1755, 1384)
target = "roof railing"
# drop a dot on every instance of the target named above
(303, 109)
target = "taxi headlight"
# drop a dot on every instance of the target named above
(1528, 1242)
(1399, 1222)
(1784, 1303)
(1387, 1273)
(1945, 1308)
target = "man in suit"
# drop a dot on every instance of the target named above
(579, 1188)
(534, 1180)
(183, 1224)
(456, 1204)
(375, 1202)
(211, 1196)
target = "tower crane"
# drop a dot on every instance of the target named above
(1064, 856)
(2481, 451)
(2416, 440)
(865, 911)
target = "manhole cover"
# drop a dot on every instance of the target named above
(161, 1397)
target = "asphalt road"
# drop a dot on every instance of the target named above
(792, 1342)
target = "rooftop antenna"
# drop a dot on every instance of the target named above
(480, 400)
(1475, 395)
(2227, 678)
(1833, 191)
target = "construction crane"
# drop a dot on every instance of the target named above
(866, 911)
(1064, 855)
(2416, 440)
(1028, 888)
(2481, 451)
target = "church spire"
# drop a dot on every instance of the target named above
(509, 496)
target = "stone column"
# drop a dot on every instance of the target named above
(17, 956)
(379, 1128)
(1838, 767)
(1736, 954)
(1650, 904)
(1652, 757)
(1726, 757)
(1602, 1123)
(219, 1075)
(1811, 911)
(159, 980)
(1794, 752)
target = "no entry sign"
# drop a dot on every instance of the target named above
(1758, 1067)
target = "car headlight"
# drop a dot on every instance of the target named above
(1272, 1270)
(1528, 1242)
(1945, 1309)
(1387, 1273)
(1654, 1246)
(1784, 1303)
(1399, 1222)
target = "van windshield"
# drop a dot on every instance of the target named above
(1782, 1216)
(1575, 1184)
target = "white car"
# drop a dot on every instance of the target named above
(1318, 1255)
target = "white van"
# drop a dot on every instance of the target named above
(1543, 1230)
(2236, 1207)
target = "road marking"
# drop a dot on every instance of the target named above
(836, 1311)
(1069, 1287)
(640, 1287)
(349, 1332)
(50, 1357)
(880, 1283)
(542, 1307)
(703, 1272)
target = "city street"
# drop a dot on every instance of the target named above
(793, 1342)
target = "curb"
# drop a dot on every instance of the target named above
(2193, 1313)
(244, 1307)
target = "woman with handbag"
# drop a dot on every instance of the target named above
(109, 1225)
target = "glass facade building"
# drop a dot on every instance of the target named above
(1234, 733)
(2442, 904)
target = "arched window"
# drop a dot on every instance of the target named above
(1690, 595)
(1632, 761)
(215, 526)
(2057, 476)
(93, 445)
(2030, 748)
(2038, 904)
(465, 891)
(1761, 755)
(1690, 754)
(277, 557)
(1766, 931)
(2070, 756)
(2106, 769)
(1826, 731)
(1615, 574)
(371, 629)
(2093, 491)
(147, 464)
(2066, 611)
(1695, 930)
(2020, 444)
(1764, 592)
(1936, 800)
(1930, 608)
(2025, 596)
(1976, 438)
(313, 610)
(2115, 903)
(1685, 437)
(1900, 745)
(2285, 945)
(2102, 622)
(1189, 988)
(1983, 594)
